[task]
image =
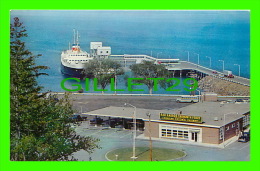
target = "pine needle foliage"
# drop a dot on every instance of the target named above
(40, 125)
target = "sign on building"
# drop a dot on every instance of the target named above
(180, 118)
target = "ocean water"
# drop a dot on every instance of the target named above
(221, 35)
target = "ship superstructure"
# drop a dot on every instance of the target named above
(74, 59)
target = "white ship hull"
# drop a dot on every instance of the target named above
(72, 63)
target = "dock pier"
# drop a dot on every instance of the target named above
(179, 68)
(183, 67)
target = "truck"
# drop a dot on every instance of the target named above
(228, 74)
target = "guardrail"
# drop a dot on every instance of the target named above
(223, 78)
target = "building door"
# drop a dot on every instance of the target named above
(194, 136)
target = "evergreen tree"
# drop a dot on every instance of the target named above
(39, 125)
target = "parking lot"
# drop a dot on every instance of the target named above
(113, 138)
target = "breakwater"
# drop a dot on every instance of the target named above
(223, 87)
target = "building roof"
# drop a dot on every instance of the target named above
(207, 110)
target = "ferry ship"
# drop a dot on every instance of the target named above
(74, 59)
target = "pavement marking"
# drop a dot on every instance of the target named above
(94, 133)
(109, 134)
(125, 135)
(244, 147)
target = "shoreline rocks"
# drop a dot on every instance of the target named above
(223, 87)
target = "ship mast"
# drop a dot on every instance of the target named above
(74, 36)
(77, 37)
(78, 48)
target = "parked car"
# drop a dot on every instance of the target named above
(105, 126)
(76, 117)
(84, 117)
(238, 101)
(245, 137)
(96, 120)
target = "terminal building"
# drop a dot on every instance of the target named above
(203, 122)
(99, 51)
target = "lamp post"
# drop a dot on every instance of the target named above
(199, 94)
(134, 132)
(209, 61)
(238, 69)
(150, 137)
(198, 58)
(223, 64)
(188, 55)
(224, 125)
(158, 54)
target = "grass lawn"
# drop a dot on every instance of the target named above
(143, 153)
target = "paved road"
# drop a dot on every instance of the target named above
(112, 139)
(208, 71)
(93, 102)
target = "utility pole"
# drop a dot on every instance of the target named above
(188, 55)
(134, 132)
(223, 62)
(238, 69)
(158, 54)
(198, 58)
(150, 137)
(209, 61)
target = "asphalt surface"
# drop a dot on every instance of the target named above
(93, 102)
(113, 138)
(87, 103)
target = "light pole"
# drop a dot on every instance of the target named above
(209, 61)
(150, 137)
(158, 54)
(134, 132)
(224, 125)
(199, 94)
(238, 69)
(223, 64)
(188, 55)
(198, 58)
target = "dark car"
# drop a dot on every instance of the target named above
(96, 120)
(245, 137)
(76, 117)
(238, 101)
(105, 126)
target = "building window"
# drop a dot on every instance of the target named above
(186, 135)
(174, 132)
(246, 120)
(227, 128)
(221, 133)
(233, 125)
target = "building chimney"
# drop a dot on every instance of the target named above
(179, 112)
